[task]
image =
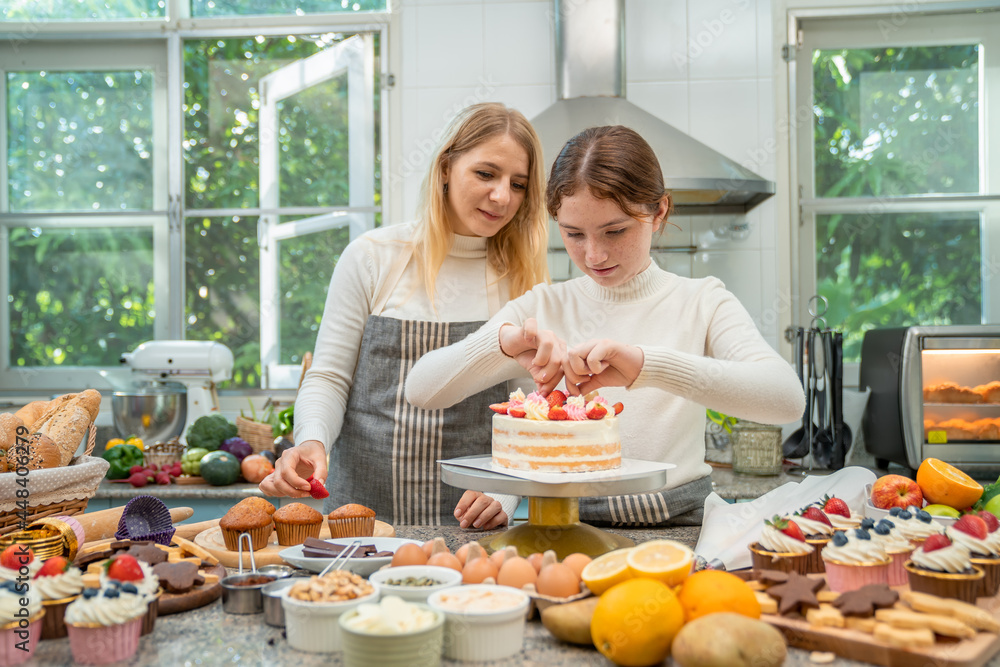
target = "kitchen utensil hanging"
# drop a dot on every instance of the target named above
(821, 440)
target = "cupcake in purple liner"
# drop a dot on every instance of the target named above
(104, 623)
(146, 518)
(782, 546)
(818, 530)
(897, 547)
(940, 567)
(58, 583)
(972, 531)
(915, 524)
(853, 559)
(21, 613)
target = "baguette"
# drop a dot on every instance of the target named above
(32, 412)
(50, 408)
(68, 424)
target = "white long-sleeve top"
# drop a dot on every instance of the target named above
(361, 272)
(701, 349)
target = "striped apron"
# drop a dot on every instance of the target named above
(681, 506)
(386, 455)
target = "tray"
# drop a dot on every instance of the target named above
(199, 596)
(211, 540)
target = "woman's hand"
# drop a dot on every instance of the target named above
(478, 510)
(293, 467)
(541, 352)
(601, 363)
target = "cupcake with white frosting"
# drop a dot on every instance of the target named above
(125, 568)
(853, 559)
(915, 524)
(897, 547)
(973, 531)
(782, 546)
(104, 623)
(19, 601)
(943, 568)
(58, 582)
(818, 529)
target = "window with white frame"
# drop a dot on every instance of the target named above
(898, 209)
(195, 182)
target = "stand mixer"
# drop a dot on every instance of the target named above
(198, 365)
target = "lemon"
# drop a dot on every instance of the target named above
(635, 622)
(605, 571)
(664, 560)
(942, 510)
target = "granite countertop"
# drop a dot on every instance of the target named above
(209, 636)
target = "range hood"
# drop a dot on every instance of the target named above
(590, 83)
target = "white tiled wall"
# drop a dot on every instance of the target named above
(703, 66)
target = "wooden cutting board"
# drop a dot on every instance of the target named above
(211, 540)
(199, 596)
(857, 645)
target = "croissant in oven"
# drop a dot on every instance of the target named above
(950, 392)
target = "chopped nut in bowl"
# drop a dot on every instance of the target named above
(312, 607)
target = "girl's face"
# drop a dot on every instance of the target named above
(603, 241)
(486, 186)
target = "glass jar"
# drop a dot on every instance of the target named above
(756, 448)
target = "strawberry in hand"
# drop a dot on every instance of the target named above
(970, 524)
(834, 505)
(16, 556)
(52, 567)
(316, 488)
(814, 513)
(122, 567)
(788, 527)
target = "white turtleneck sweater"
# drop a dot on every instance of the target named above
(701, 349)
(361, 273)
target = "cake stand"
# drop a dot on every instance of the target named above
(553, 508)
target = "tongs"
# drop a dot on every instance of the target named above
(239, 551)
(345, 554)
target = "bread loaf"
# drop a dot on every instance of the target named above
(70, 421)
(8, 429)
(32, 412)
(40, 450)
(51, 408)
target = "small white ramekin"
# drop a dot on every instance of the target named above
(413, 649)
(481, 634)
(312, 626)
(447, 576)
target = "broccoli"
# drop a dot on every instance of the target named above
(210, 431)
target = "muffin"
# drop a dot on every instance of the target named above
(12, 595)
(914, 524)
(973, 533)
(352, 520)
(104, 623)
(853, 559)
(782, 546)
(257, 502)
(897, 547)
(295, 522)
(254, 521)
(940, 567)
(58, 583)
(817, 529)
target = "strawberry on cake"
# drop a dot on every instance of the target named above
(818, 529)
(839, 513)
(556, 433)
(941, 567)
(972, 531)
(782, 546)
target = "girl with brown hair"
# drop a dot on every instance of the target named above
(665, 346)
(403, 290)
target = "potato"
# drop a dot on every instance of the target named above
(728, 640)
(570, 622)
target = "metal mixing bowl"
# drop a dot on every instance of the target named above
(155, 411)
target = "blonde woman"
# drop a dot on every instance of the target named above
(401, 291)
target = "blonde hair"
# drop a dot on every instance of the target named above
(518, 251)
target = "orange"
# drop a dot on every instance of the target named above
(664, 560)
(605, 571)
(635, 622)
(710, 591)
(944, 484)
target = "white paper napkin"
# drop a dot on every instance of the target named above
(729, 528)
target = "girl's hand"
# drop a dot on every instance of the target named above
(292, 468)
(540, 351)
(478, 510)
(601, 363)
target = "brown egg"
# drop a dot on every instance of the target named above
(558, 580)
(577, 562)
(428, 547)
(536, 561)
(463, 553)
(445, 559)
(478, 569)
(409, 554)
(517, 572)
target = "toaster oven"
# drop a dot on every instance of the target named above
(935, 393)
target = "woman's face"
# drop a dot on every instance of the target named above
(603, 241)
(486, 186)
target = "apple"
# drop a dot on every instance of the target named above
(891, 491)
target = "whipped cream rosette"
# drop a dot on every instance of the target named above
(112, 604)
(59, 586)
(10, 574)
(781, 546)
(944, 568)
(953, 558)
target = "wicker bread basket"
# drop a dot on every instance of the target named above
(257, 434)
(11, 520)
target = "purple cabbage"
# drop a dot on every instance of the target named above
(238, 447)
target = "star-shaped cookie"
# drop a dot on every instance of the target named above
(797, 593)
(865, 600)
